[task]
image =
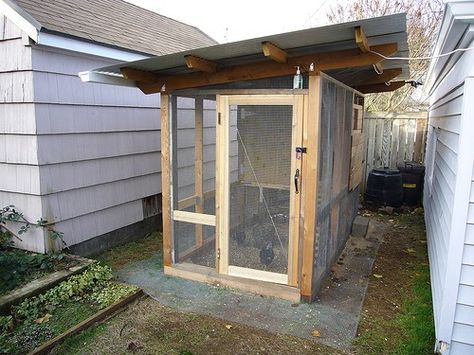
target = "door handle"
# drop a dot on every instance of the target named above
(297, 177)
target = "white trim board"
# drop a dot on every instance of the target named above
(97, 49)
(20, 18)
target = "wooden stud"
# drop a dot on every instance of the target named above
(260, 70)
(374, 88)
(201, 64)
(198, 164)
(165, 179)
(295, 199)
(173, 166)
(361, 40)
(273, 52)
(310, 173)
(192, 217)
(222, 183)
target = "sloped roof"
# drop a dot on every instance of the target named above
(379, 30)
(116, 23)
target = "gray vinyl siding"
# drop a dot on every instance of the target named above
(449, 193)
(98, 147)
(19, 171)
(81, 155)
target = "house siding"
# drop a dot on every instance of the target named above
(19, 171)
(98, 147)
(449, 190)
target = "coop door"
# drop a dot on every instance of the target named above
(258, 176)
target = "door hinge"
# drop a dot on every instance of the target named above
(218, 253)
(219, 118)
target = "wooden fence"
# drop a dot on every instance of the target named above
(392, 138)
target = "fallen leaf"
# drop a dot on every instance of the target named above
(411, 250)
(44, 319)
(316, 333)
(228, 326)
(378, 276)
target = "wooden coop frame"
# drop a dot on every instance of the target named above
(205, 77)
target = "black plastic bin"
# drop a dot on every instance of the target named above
(384, 188)
(413, 175)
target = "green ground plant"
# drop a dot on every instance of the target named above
(42, 317)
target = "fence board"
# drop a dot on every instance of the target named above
(391, 139)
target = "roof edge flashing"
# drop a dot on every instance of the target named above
(54, 40)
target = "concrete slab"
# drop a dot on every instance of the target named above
(335, 315)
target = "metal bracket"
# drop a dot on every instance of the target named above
(299, 151)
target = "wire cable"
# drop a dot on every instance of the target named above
(423, 58)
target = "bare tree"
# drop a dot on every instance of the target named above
(423, 20)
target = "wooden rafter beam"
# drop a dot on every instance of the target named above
(260, 70)
(201, 64)
(274, 52)
(363, 44)
(382, 87)
(361, 40)
(136, 74)
(374, 78)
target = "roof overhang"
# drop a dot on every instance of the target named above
(41, 36)
(21, 18)
(345, 51)
(457, 31)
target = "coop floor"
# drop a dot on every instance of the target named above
(335, 315)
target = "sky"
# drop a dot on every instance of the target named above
(228, 21)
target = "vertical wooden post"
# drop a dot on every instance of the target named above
(222, 183)
(299, 110)
(165, 179)
(198, 164)
(310, 173)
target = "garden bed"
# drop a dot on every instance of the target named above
(19, 267)
(41, 318)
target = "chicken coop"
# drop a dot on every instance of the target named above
(262, 150)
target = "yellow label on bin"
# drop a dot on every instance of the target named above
(410, 186)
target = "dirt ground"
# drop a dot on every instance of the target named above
(390, 322)
(397, 312)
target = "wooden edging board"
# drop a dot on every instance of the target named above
(49, 345)
(40, 285)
